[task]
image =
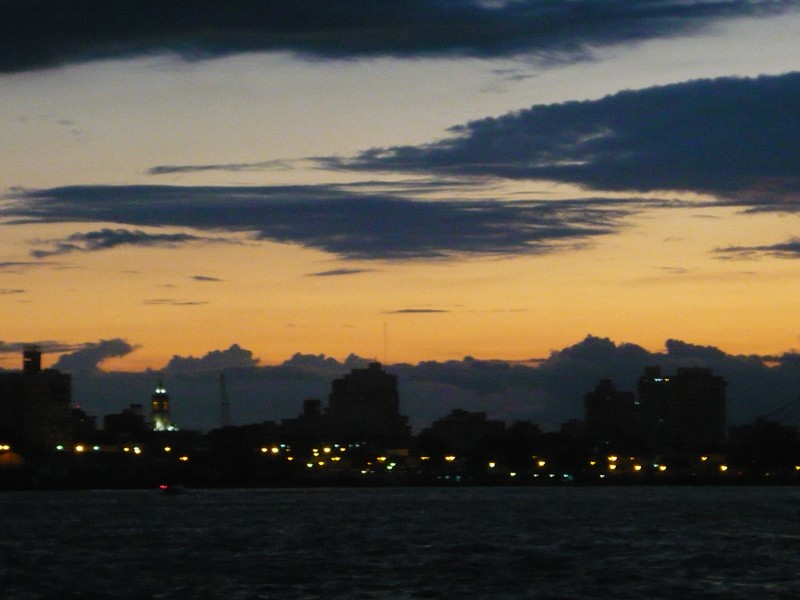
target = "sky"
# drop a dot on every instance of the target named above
(413, 182)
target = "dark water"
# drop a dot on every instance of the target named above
(627, 542)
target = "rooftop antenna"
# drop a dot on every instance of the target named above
(224, 404)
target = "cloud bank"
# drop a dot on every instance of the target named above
(547, 391)
(49, 33)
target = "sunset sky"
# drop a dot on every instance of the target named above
(410, 181)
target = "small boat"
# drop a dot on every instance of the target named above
(171, 489)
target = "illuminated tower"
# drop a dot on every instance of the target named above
(159, 409)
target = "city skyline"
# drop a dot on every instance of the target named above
(498, 183)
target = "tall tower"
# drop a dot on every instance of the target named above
(159, 409)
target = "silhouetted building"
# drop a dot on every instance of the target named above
(35, 405)
(159, 409)
(311, 426)
(84, 427)
(126, 425)
(682, 412)
(463, 432)
(365, 405)
(612, 418)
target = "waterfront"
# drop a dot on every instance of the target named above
(591, 542)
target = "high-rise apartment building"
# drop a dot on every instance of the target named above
(35, 405)
(365, 404)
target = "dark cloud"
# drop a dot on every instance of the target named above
(339, 272)
(90, 355)
(234, 357)
(337, 220)
(790, 249)
(229, 167)
(734, 138)
(206, 278)
(106, 239)
(10, 291)
(48, 33)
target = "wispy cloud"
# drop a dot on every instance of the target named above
(106, 239)
(20, 266)
(346, 223)
(228, 167)
(338, 272)
(417, 311)
(206, 278)
(789, 249)
(10, 291)
(173, 302)
(47, 346)
(49, 33)
(732, 138)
